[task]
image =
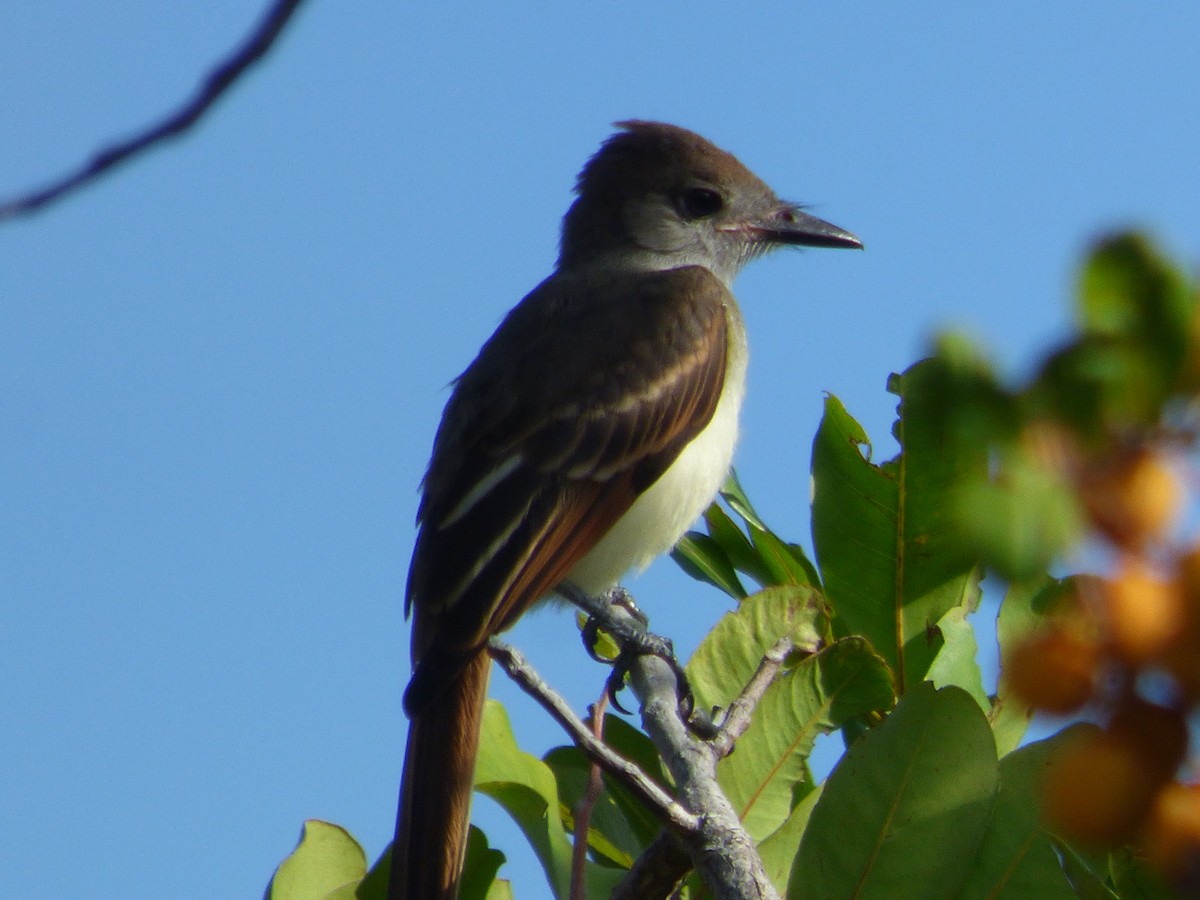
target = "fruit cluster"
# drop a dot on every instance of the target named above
(1128, 646)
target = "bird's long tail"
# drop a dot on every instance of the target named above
(435, 792)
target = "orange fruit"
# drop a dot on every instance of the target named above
(1145, 615)
(1187, 579)
(1134, 500)
(1159, 734)
(1097, 791)
(1182, 659)
(1172, 838)
(1053, 670)
(1188, 573)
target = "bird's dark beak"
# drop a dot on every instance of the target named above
(791, 225)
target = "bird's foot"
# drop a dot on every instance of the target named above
(634, 640)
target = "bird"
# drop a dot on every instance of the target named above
(592, 429)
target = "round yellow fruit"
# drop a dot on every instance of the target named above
(1135, 500)
(1054, 670)
(1172, 838)
(1145, 615)
(1159, 733)
(1097, 791)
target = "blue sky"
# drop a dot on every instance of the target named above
(221, 369)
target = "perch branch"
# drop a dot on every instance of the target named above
(518, 669)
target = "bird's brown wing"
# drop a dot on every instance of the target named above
(583, 397)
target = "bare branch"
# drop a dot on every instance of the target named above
(737, 717)
(658, 800)
(219, 81)
(662, 865)
(587, 803)
(722, 852)
(657, 871)
(704, 832)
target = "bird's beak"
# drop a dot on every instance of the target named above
(791, 225)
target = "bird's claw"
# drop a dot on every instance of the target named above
(618, 596)
(614, 684)
(590, 633)
(637, 642)
(642, 643)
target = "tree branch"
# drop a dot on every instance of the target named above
(657, 871)
(587, 802)
(659, 868)
(722, 851)
(219, 81)
(703, 831)
(719, 848)
(737, 718)
(519, 670)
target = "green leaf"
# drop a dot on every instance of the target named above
(326, 860)
(1024, 607)
(1134, 880)
(1137, 316)
(621, 826)
(733, 494)
(905, 806)
(731, 653)
(726, 550)
(375, 885)
(824, 690)
(704, 559)
(785, 563)
(973, 409)
(811, 694)
(742, 554)
(1088, 884)
(525, 787)
(956, 663)
(1018, 521)
(610, 834)
(1098, 384)
(778, 850)
(479, 871)
(890, 558)
(790, 559)
(1129, 291)
(1017, 858)
(636, 747)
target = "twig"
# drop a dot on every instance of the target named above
(656, 871)
(737, 718)
(591, 793)
(219, 81)
(659, 801)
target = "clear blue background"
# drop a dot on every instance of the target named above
(221, 369)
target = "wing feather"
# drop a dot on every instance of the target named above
(583, 397)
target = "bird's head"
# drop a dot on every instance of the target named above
(657, 196)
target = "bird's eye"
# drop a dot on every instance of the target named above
(699, 203)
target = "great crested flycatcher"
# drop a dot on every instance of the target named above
(592, 429)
